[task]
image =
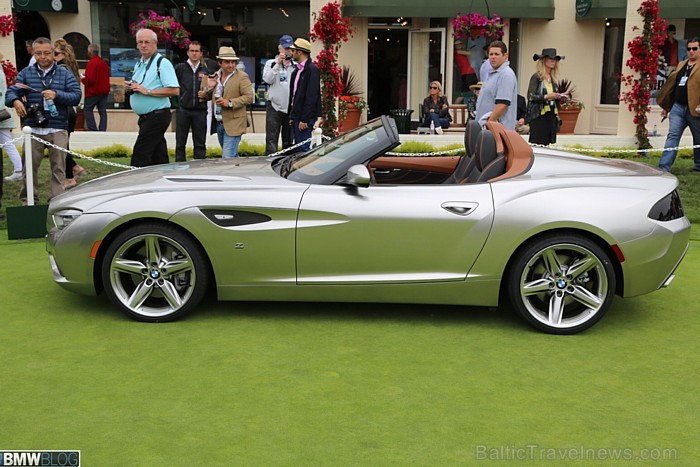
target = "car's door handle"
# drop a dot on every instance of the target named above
(384, 171)
(461, 208)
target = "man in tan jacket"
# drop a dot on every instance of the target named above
(679, 98)
(230, 94)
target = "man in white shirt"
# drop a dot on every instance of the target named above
(277, 74)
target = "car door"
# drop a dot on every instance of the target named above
(391, 234)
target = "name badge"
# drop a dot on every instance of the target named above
(684, 79)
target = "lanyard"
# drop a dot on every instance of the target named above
(41, 77)
(148, 65)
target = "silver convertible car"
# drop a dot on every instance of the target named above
(555, 234)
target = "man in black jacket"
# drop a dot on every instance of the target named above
(192, 112)
(304, 93)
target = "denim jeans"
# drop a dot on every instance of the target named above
(678, 119)
(444, 123)
(302, 135)
(229, 144)
(101, 103)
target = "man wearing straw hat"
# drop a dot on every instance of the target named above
(230, 94)
(304, 93)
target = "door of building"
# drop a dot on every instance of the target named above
(426, 63)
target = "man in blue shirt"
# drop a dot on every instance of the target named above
(499, 95)
(151, 86)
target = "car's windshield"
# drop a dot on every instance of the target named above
(315, 165)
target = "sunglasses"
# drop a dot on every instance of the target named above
(692, 48)
(433, 87)
(57, 53)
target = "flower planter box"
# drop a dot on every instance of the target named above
(568, 121)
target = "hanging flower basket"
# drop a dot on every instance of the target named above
(166, 28)
(474, 25)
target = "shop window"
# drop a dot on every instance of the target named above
(612, 61)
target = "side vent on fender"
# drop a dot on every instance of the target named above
(232, 218)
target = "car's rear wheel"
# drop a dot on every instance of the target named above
(562, 284)
(154, 272)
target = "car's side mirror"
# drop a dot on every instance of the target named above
(358, 175)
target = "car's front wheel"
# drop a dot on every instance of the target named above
(154, 272)
(562, 284)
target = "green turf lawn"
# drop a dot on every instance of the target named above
(339, 384)
(342, 384)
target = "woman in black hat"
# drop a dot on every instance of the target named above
(544, 98)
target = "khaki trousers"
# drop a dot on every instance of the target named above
(57, 158)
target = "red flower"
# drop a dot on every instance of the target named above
(644, 51)
(8, 25)
(10, 72)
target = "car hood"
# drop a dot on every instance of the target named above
(208, 174)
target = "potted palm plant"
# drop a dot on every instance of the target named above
(350, 103)
(570, 108)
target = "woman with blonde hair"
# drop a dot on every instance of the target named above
(544, 99)
(436, 109)
(65, 56)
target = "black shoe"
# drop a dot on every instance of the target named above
(695, 169)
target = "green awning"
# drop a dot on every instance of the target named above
(56, 6)
(543, 9)
(617, 9)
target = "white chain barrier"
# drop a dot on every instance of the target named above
(315, 140)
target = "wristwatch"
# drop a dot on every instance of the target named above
(148, 91)
(230, 104)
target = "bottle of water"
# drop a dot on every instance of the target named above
(654, 133)
(432, 127)
(217, 107)
(50, 107)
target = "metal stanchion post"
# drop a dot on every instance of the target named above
(29, 167)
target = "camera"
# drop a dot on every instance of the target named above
(288, 57)
(127, 88)
(37, 112)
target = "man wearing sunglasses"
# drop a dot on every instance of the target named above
(680, 100)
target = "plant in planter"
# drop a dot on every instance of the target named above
(569, 108)
(168, 30)
(567, 87)
(349, 100)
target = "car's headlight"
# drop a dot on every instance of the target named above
(64, 217)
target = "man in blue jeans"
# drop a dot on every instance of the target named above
(680, 100)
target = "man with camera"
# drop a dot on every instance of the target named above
(277, 74)
(150, 88)
(41, 96)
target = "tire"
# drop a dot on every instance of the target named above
(155, 273)
(562, 284)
